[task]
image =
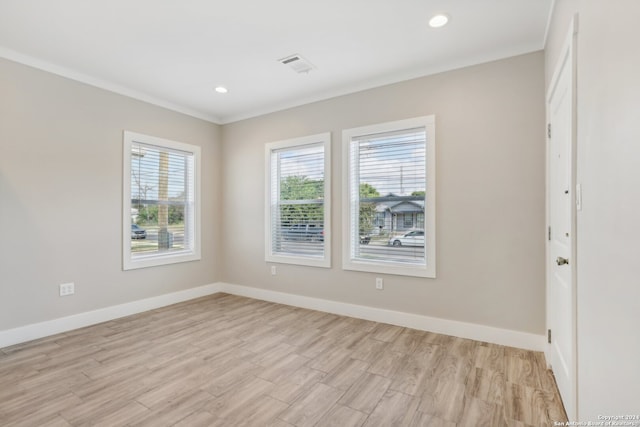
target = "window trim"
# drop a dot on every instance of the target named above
(152, 260)
(390, 267)
(325, 262)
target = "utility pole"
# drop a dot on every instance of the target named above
(164, 239)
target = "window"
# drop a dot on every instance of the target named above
(161, 201)
(408, 221)
(298, 201)
(389, 198)
(379, 220)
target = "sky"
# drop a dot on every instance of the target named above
(391, 163)
(144, 172)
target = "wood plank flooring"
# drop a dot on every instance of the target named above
(226, 360)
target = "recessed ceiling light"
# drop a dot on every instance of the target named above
(439, 20)
(221, 89)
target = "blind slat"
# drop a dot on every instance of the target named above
(297, 201)
(388, 182)
(162, 200)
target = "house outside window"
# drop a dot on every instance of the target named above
(298, 200)
(161, 201)
(389, 198)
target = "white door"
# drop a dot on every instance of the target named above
(561, 316)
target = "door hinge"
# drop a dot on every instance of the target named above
(549, 130)
(549, 233)
(549, 336)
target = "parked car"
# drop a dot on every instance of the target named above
(308, 232)
(412, 238)
(365, 239)
(138, 232)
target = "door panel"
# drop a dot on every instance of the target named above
(560, 256)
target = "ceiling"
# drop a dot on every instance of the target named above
(174, 53)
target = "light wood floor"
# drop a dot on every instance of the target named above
(231, 361)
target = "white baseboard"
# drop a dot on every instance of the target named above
(63, 324)
(415, 321)
(442, 326)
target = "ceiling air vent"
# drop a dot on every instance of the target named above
(297, 63)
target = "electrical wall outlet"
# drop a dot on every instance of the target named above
(379, 283)
(67, 289)
(273, 270)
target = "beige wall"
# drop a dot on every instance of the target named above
(61, 184)
(490, 195)
(608, 169)
(61, 196)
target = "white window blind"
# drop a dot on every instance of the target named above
(297, 221)
(388, 197)
(161, 201)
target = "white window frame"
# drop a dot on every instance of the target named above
(270, 256)
(151, 260)
(390, 267)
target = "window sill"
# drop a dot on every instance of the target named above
(389, 268)
(293, 260)
(157, 260)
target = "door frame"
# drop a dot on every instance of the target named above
(569, 55)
